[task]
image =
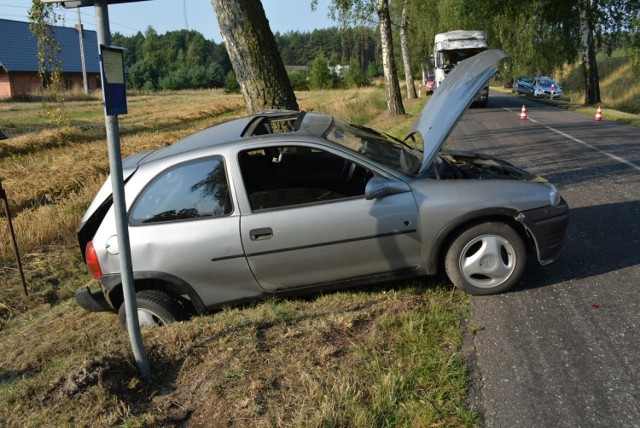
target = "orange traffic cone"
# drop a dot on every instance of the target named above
(599, 113)
(523, 113)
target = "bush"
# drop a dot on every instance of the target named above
(299, 80)
(198, 77)
(231, 84)
(143, 75)
(374, 70)
(319, 75)
(354, 78)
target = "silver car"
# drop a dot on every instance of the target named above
(546, 87)
(286, 202)
(523, 85)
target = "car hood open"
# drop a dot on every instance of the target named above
(451, 100)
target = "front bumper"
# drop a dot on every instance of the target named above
(482, 96)
(548, 228)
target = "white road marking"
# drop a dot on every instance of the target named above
(584, 143)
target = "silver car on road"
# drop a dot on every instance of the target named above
(285, 202)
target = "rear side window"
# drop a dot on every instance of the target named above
(187, 191)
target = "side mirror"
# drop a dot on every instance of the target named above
(432, 62)
(379, 187)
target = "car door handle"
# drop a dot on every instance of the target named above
(260, 234)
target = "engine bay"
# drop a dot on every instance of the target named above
(450, 165)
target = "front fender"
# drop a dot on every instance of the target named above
(441, 240)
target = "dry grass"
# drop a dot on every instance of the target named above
(619, 89)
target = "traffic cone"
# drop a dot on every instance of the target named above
(599, 113)
(523, 113)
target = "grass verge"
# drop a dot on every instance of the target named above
(388, 356)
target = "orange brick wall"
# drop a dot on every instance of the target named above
(5, 85)
(24, 83)
(29, 83)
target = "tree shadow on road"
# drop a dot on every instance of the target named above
(601, 239)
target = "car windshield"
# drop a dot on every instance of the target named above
(379, 147)
(546, 82)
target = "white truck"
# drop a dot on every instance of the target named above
(454, 46)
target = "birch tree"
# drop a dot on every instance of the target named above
(254, 55)
(362, 11)
(391, 83)
(588, 51)
(406, 55)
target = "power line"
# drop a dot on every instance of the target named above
(11, 5)
(12, 16)
(89, 21)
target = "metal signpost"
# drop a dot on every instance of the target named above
(113, 90)
(3, 196)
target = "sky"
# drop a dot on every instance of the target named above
(170, 15)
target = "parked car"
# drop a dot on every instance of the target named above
(544, 86)
(430, 84)
(285, 202)
(523, 85)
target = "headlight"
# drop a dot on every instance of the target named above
(554, 195)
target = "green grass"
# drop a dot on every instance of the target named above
(382, 356)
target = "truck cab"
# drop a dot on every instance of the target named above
(452, 47)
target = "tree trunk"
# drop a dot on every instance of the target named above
(394, 97)
(254, 55)
(406, 57)
(589, 64)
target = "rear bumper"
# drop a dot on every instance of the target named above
(92, 301)
(548, 227)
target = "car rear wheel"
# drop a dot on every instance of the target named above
(486, 258)
(155, 308)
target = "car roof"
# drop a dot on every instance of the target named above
(238, 130)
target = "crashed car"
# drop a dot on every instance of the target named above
(285, 202)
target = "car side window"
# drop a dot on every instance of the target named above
(277, 177)
(187, 191)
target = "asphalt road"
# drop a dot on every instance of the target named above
(562, 349)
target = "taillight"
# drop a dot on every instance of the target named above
(92, 261)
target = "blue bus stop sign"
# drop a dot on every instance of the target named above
(114, 91)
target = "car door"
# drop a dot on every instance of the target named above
(312, 225)
(183, 225)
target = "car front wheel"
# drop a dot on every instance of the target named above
(486, 258)
(155, 309)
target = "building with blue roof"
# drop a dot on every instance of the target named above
(19, 58)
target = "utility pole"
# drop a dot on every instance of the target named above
(85, 85)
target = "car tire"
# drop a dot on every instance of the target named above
(155, 308)
(486, 258)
